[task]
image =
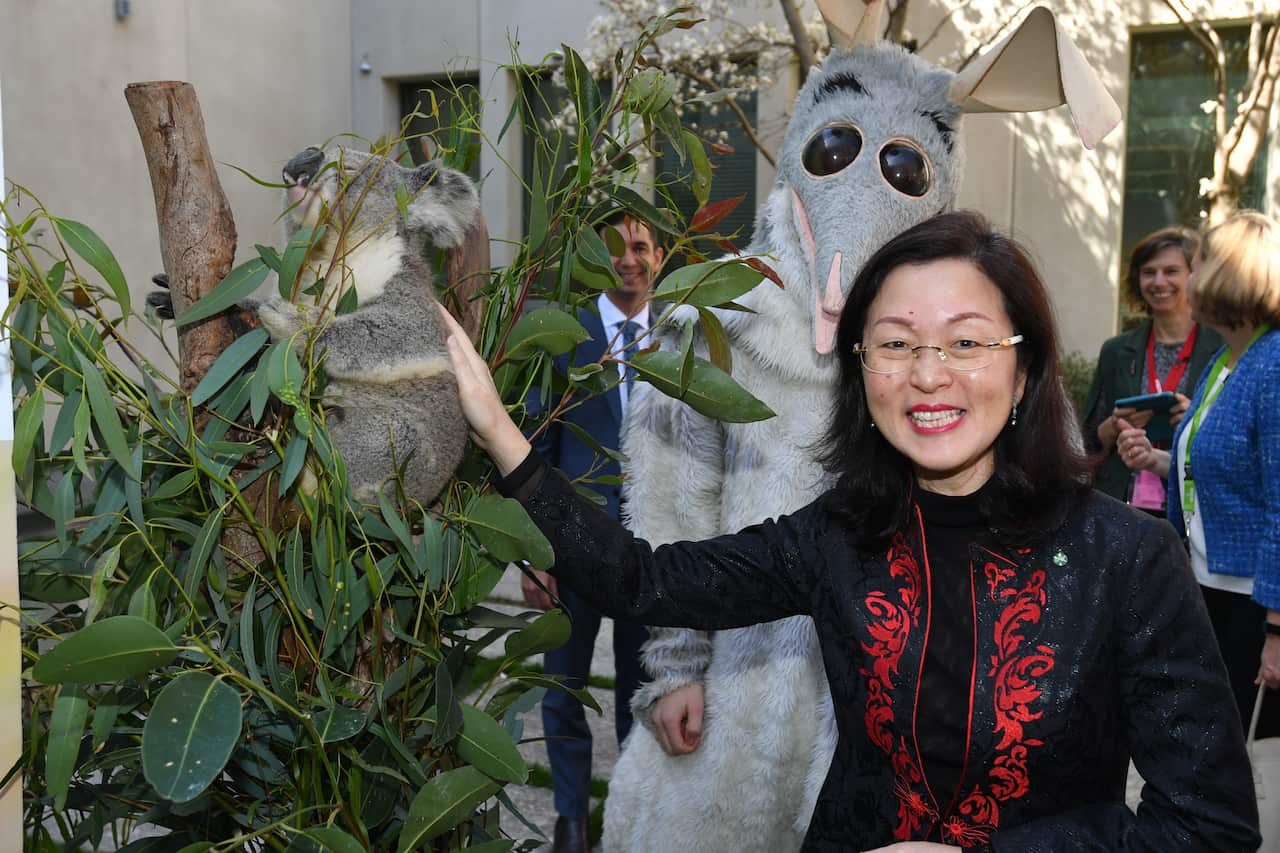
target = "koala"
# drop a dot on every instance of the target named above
(391, 398)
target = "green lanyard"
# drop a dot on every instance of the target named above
(1211, 394)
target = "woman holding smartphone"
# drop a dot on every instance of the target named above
(1224, 469)
(1167, 352)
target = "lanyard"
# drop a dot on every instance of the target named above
(1210, 395)
(1170, 383)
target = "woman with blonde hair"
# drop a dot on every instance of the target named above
(1224, 469)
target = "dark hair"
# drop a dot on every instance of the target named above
(1150, 246)
(1037, 466)
(618, 216)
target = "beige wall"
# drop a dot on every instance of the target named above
(271, 78)
(275, 76)
(1029, 172)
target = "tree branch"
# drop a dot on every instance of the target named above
(803, 44)
(711, 86)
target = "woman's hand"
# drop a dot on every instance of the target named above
(914, 847)
(491, 426)
(1269, 671)
(1136, 452)
(1109, 429)
(1178, 409)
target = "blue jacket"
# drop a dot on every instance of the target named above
(1236, 457)
(600, 417)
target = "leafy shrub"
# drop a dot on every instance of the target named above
(324, 695)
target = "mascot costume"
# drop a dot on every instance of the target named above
(873, 147)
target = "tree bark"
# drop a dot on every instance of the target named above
(467, 270)
(197, 232)
(800, 35)
(197, 249)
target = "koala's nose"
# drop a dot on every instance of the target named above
(303, 167)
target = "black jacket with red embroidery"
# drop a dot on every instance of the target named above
(1091, 647)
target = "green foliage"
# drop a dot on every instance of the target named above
(1077, 373)
(312, 678)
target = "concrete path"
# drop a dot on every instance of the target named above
(535, 803)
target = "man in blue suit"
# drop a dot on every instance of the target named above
(623, 318)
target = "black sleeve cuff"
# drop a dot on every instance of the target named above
(524, 480)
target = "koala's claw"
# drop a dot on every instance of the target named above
(161, 301)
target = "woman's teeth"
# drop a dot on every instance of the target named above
(935, 419)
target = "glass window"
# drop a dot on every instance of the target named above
(733, 172)
(443, 121)
(1170, 139)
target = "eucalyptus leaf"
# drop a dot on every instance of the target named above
(711, 391)
(106, 651)
(238, 284)
(548, 329)
(707, 284)
(292, 258)
(485, 745)
(106, 417)
(66, 730)
(507, 532)
(26, 427)
(339, 723)
(228, 364)
(88, 245)
(701, 182)
(324, 839)
(549, 631)
(189, 735)
(445, 801)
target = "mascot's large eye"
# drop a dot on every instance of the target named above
(831, 149)
(905, 168)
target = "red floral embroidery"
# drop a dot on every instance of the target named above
(1014, 672)
(892, 616)
(996, 575)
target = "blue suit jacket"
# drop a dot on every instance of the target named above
(600, 417)
(1236, 457)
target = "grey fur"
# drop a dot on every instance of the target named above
(769, 730)
(391, 399)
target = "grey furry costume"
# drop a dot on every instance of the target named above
(769, 729)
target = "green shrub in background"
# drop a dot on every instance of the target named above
(1077, 372)
(324, 697)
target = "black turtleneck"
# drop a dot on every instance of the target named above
(951, 525)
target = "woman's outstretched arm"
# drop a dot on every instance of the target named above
(763, 573)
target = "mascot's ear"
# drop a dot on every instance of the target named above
(1035, 68)
(852, 22)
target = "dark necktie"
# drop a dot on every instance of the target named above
(629, 331)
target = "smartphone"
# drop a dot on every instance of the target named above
(1158, 428)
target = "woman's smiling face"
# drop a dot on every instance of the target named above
(944, 421)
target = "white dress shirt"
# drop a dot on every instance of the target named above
(612, 318)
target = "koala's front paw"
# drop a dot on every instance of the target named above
(281, 319)
(161, 301)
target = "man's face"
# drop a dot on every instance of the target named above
(637, 265)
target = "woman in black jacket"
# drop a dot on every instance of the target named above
(998, 639)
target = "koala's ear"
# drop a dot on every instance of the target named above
(852, 22)
(1038, 67)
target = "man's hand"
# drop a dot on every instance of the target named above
(677, 720)
(535, 596)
